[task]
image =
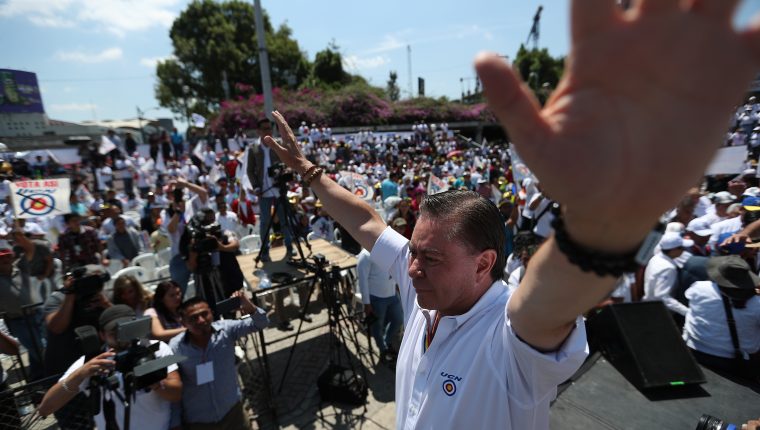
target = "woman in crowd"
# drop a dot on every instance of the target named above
(166, 321)
(129, 291)
(404, 210)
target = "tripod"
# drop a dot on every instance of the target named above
(339, 322)
(208, 281)
(287, 223)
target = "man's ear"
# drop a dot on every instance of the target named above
(485, 263)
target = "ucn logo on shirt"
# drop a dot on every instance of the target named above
(450, 383)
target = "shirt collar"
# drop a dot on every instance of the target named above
(488, 299)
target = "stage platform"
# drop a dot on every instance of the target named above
(601, 398)
(334, 254)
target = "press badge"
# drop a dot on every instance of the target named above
(204, 372)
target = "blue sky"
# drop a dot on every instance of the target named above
(95, 59)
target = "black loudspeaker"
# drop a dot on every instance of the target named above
(643, 343)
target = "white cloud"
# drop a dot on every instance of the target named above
(73, 107)
(390, 42)
(118, 17)
(109, 54)
(354, 62)
(151, 62)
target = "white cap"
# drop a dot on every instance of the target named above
(699, 227)
(752, 191)
(723, 197)
(673, 240)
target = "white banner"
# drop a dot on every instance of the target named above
(106, 145)
(198, 121)
(728, 161)
(32, 199)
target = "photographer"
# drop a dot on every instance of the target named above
(260, 160)
(175, 220)
(79, 303)
(207, 248)
(151, 409)
(209, 371)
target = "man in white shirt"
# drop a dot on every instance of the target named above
(706, 330)
(475, 357)
(151, 409)
(661, 274)
(735, 224)
(227, 220)
(380, 302)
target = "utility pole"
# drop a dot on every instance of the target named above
(266, 79)
(409, 68)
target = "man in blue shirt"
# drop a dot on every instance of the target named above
(211, 394)
(389, 186)
(178, 144)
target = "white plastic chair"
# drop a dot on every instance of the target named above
(164, 256)
(145, 260)
(311, 236)
(337, 236)
(250, 243)
(138, 272)
(162, 272)
(114, 266)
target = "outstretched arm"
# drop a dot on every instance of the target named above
(614, 124)
(355, 215)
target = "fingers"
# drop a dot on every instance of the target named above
(511, 101)
(592, 16)
(722, 10)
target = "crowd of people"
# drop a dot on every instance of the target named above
(491, 278)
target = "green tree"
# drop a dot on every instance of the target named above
(392, 90)
(328, 67)
(540, 70)
(213, 38)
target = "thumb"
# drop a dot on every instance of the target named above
(511, 100)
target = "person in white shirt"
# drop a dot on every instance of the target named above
(706, 330)
(472, 355)
(380, 302)
(227, 220)
(661, 274)
(151, 408)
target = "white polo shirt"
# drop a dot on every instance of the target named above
(476, 374)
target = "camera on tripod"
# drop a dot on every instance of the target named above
(204, 236)
(84, 285)
(280, 174)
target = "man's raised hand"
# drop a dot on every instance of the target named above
(639, 113)
(288, 150)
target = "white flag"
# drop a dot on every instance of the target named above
(32, 199)
(198, 121)
(436, 185)
(106, 145)
(242, 170)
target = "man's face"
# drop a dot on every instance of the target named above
(109, 337)
(442, 270)
(221, 205)
(198, 318)
(264, 130)
(120, 225)
(74, 224)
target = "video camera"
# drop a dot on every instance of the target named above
(138, 362)
(280, 173)
(204, 236)
(84, 285)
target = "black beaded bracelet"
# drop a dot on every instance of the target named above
(600, 262)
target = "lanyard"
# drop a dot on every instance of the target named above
(430, 331)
